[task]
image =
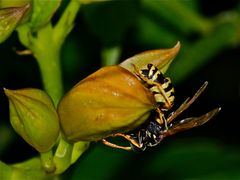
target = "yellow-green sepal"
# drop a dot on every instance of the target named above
(160, 58)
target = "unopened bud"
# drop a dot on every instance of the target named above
(9, 19)
(33, 117)
(108, 101)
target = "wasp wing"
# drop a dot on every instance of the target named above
(189, 123)
(187, 103)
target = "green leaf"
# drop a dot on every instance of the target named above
(105, 162)
(152, 34)
(201, 52)
(43, 12)
(189, 158)
(195, 159)
(9, 19)
(177, 14)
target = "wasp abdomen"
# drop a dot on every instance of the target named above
(159, 85)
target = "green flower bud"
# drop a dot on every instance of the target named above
(33, 117)
(9, 19)
(13, 3)
(43, 10)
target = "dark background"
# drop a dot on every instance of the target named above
(209, 151)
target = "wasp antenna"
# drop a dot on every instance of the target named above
(135, 68)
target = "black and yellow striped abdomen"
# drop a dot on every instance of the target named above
(160, 86)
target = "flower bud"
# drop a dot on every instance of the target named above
(42, 12)
(109, 101)
(33, 117)
(13, 3)
(9, 19)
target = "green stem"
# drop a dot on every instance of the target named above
(78, 149)
(47, 161)
(46, 47)
(63, 155)
(30, 169)
(49, 55)
(110, 55)
(50, 68)
(66, 22)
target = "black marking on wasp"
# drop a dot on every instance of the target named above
(153, 131)
(160, 86)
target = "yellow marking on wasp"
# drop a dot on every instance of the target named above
(157, 87)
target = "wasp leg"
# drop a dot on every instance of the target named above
(161, 118)
(130, 139)
(107, 143)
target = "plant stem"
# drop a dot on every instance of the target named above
(62, 157)
(66, 22)
(30, 169)
(50, 68)
(47, 161)
(48, 57)
(110, 55)
(46, 45)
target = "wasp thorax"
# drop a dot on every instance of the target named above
(111, 100)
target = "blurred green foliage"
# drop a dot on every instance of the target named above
(210, 35)
(182, 159)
